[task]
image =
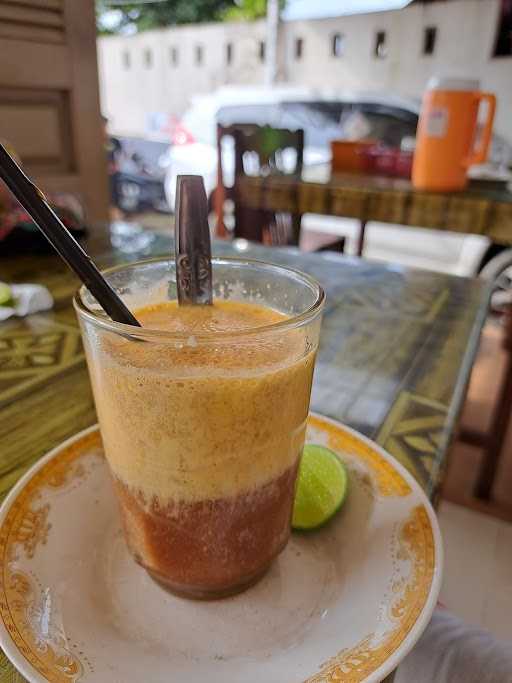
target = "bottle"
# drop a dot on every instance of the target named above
(447, 132)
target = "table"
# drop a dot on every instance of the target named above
(387, 200)
(396, 352)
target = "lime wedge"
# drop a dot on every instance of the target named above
(5, 295)
(321, 488)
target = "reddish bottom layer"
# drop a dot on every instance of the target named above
(209, 548)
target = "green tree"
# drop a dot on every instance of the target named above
(246, 9)
(158, 14)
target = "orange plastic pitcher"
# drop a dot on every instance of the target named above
(445, 141)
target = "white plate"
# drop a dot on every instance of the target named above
(345, 603)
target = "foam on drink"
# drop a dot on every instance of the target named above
(203, 440)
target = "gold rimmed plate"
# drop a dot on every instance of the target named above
(344, 603)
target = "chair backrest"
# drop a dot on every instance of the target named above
(266, 151)
(224, 191)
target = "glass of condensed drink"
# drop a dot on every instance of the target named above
(203, 412)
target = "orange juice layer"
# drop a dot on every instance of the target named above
(185, 421)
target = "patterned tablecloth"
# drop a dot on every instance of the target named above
(396, 352)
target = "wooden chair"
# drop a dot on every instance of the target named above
(264, 151)
(492, 441)
(223, 191)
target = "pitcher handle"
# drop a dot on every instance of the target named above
(479, 154)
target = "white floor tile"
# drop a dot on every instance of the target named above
(470, 543)
(497, 613)
(503, 557)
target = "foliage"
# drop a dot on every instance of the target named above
(248, 10)
(125, 16)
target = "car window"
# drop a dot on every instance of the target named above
(320, 120)
(389, 125)
(324, 121)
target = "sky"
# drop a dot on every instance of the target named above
(321, 9)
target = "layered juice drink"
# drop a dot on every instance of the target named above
(203, 416)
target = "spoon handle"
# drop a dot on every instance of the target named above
(192, 242)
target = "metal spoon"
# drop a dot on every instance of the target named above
(192, 242)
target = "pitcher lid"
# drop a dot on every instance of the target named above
(450, 83)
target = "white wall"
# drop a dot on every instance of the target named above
(465, 37)
(129, 95)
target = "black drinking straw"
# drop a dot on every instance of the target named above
(35, 204)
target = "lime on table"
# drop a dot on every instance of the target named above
(321, 487)
(5, 295)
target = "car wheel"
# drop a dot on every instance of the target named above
(128, 196)
(498, 269)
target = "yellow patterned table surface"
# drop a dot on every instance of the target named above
(396, 352)
(387, 200)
